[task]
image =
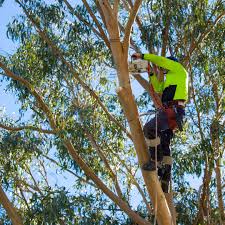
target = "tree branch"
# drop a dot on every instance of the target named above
(69, 171)
(148, 87)
(116, 6)
(24, 198)
(100, 11)
(9, 128)
(132, 177)
(101, 32)
(138, 21)
(11, 211)
(165, 36)
(130, 22)
(25, 185)
(123, 205)
(35, 182)
(196, 106)
(166, 28)
(82, 19)
(44, 172)
(107, 6)
(219, 190)
(104, 159)
(133, 44)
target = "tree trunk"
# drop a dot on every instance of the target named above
(203, 209)
(169, 199)
(215, 137)
(120, 56)
(219, 190)
(11, 211)
(151, 179)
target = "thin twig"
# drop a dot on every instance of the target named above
(34, 180)
(68, 170)
(101, 32)
(106, 162)
(10, 128)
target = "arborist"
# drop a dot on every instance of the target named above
(174, 94)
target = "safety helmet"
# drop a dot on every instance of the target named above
(172, 58)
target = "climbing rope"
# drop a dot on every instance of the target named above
(156, 160)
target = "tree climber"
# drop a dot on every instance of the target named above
(174, 90)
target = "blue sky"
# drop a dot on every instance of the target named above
(9, 10)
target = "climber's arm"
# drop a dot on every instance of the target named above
(162, 62)
(159, 61)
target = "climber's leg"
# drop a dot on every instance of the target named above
(153, 138)
(165, 171)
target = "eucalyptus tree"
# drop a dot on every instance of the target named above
(60, 74)
(74, 110)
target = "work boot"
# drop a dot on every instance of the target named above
(165, 186)
(165, 175)
(149, 166)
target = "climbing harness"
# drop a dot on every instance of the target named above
(175, 119)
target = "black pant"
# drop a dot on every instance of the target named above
(165, 134)
(163, 131)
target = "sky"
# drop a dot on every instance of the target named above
(9, 10)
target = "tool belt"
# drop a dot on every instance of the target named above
(174, 115)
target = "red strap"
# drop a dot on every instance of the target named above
(156, 100)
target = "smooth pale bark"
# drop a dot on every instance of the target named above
(169, 199)
(120, 56)
(203, 209)
(151, 179)
(11, 211)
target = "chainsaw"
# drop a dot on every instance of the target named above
(139, 66)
